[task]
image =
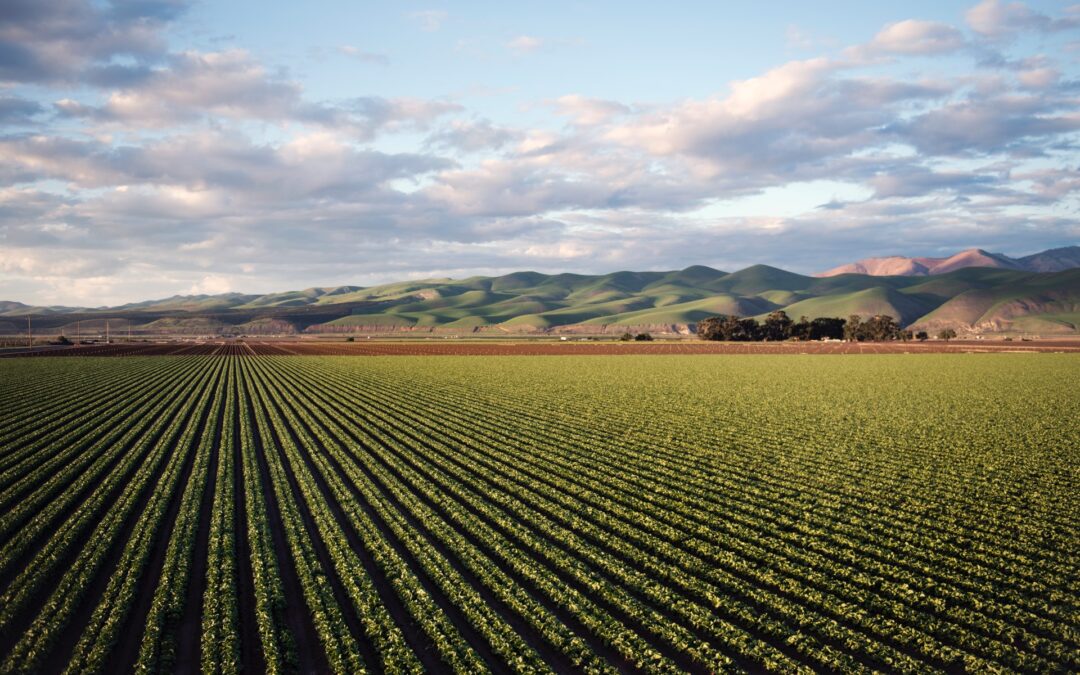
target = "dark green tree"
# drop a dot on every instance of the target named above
(710, 328)
(853, 329)
(879, 328)
(746, 330)
(827, 328)
(800, 330)
(777, 326)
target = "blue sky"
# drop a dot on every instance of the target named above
(154, 147)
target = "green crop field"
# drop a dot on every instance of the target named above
(899, 513)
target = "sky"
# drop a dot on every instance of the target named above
(158, 147)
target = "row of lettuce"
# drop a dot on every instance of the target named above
(356, 517)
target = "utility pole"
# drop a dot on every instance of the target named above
(106, 331)
(78, 330)
(29, 331)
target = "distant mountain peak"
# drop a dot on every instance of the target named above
(1054, 260)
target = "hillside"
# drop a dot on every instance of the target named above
(1043, 303)
(1053, 260)
(969, 299)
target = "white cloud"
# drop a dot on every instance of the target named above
(211, 284)
(471, 136)
(523, 44)
(588, 111)
(994, 19)
(916, 38)
(193, 87)
(1039, 78)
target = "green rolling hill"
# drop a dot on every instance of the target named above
(969, 299)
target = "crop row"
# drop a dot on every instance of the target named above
(538, 514)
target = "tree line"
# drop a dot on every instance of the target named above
(779, 326)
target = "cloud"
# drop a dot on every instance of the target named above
(312, 166)
(374, 113)
(16, 111)
(524, 44)
(1051, 185)
(914, 37)
(1004, 123)
(212, 284)
(363, 56)
(60, 40)
(196, 169)
(588, 111)
(228, 84)
(429, 20)
(528, 44)
(768, 128)
(997, 20)
(194, 86)
(918, 181)
(471, 136)
(1039, 78)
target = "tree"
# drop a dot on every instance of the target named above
(800, 330)
(946, 334)
(777, 326)
(879, 328)
(853, 329)
(626, 337)
(709, 329)
(827, 328)
(643, 337)
(729, 327)
(921, 336)
(720, 327)
(746, 330)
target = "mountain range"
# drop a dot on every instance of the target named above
(985, 298)
(1053, 260)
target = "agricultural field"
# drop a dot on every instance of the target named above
(496, 347)
(641, 513)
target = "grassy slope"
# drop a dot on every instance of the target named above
(528, 301)
(1004, 298)
(866, 303)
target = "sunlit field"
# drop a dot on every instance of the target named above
(634, 513)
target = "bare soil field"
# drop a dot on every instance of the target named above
(538, 348)
(221, 348)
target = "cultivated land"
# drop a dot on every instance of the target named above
(899, 512)
(501, 347)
